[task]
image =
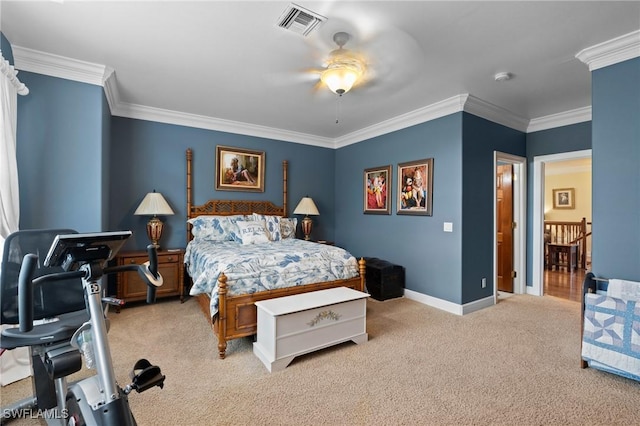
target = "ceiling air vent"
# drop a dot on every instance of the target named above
(300, 20)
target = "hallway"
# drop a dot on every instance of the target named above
(563, 284)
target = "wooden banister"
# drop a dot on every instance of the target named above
(561, 232)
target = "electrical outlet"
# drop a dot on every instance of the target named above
(484, 282)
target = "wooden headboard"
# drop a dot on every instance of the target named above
(231, 207)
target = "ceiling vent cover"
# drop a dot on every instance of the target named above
(300, 20)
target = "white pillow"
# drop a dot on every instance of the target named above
(288, 227)
(252, 232)
(272, 223)
(215, 228)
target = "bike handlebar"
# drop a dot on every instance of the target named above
(25, 292)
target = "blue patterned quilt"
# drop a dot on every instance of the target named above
(611, 339)
(259, 267)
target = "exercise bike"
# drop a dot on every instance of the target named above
(98, 399)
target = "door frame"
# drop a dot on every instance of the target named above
(537, 217)
(519, 217)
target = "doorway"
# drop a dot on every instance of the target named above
(518, 193)
(539, 165)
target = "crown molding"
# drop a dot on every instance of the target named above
(101, 75)
(59, 66)
(142, 112)
(495, 114)
(612, 51)
(578, 115)
(420, 115)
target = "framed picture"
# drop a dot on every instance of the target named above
(239, 169)
(415, 187)
(564, 198)
(377, 190)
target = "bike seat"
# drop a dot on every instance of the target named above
(58, 330)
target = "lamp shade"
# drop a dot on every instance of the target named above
(307, 207)
(154, 204)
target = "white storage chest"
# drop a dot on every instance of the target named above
(294, 325)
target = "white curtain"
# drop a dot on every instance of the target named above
(14, 364)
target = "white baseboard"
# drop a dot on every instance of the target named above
(447, 306)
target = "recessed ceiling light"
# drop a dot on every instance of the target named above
(503, 76)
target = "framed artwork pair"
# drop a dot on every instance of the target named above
(414, 195)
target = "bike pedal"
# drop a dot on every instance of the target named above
(146, 376)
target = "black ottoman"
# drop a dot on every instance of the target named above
(384, 280)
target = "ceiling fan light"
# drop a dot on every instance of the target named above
(339, 80)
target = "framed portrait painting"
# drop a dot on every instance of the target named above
(377, 190)
(239, 169)
(415, 187)
(564, 198)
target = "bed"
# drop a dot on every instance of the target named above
(221, 268)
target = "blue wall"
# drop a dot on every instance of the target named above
(616, 170)
(575, 137)
(5, 46)
(147, 155)
(480, 139)
(448, 266)
(60, 154)
(431, 257)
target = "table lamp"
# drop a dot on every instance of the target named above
(153, 205)
(307, 207)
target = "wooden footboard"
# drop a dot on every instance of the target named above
(237, 315)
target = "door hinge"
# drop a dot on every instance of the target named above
(513, 274)
(514, 225)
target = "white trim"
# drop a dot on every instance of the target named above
(434, 302)
(91, 73)
(578, 115)
(477, 305)
(59, 66)
(520, 218)
(430, 112)
(202, 122)
(495, 114)
(537, 258)
(445, 305)
(612, 51)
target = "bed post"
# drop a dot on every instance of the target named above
(222, 315)
(189, 158)
(285, 166)
(362, 268)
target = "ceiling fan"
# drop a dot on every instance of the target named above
(344, 67)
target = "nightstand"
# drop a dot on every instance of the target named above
(329, 243)
(171, 266)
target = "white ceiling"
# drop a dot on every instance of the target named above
(228, 65)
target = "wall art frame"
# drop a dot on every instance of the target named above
(415, 188)
(377, 190)
(564, 198)
(239, 169)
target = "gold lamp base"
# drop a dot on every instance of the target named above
(307, 224)
(154, 230)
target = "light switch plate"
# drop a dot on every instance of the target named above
(448, 227)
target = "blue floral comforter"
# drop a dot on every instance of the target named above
(259, 267)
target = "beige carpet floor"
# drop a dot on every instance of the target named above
(516, 363)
